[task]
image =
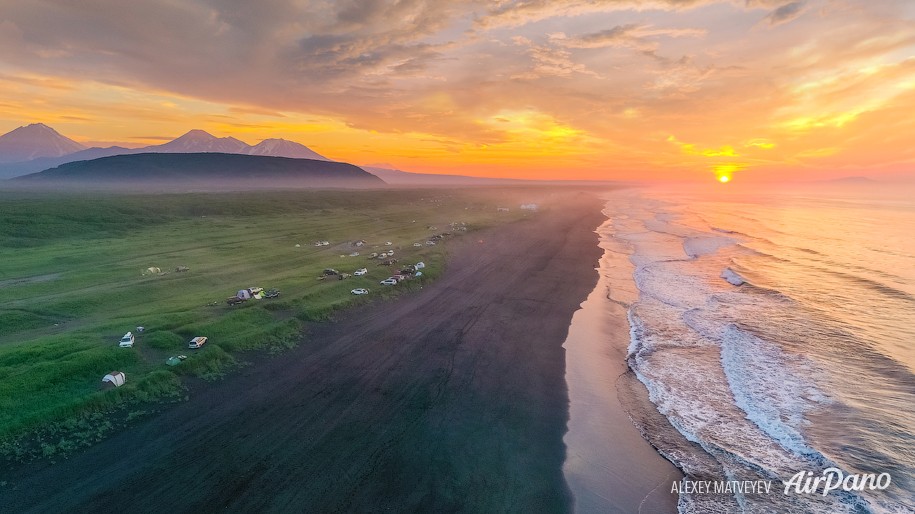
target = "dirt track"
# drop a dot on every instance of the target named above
(451, 399)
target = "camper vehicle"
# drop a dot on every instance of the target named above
(360, 290)
(361, 271)
(197, 342)
(389, 282)
(127, 340)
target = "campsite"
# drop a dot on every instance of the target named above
(83, 270)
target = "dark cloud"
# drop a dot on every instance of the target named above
(786, 13)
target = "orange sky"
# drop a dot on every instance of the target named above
(568, 89)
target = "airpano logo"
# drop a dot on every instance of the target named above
(833, 479)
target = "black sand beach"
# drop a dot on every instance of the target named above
(450, 399)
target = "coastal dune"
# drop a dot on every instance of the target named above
(450, 399)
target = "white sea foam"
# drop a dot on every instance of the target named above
(732, 277)
(773, 388)
(706, 245)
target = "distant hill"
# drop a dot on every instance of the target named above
(850, 180)
(284, 148)
(404, 178)
(201, 171)
(35, 141)
(17, 169)
(39, 147)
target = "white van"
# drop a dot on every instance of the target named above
(197, 342)
(127, 340)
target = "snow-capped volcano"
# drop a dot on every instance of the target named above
(199, 141)
(38, 147)
(34, 141)
(284, 148)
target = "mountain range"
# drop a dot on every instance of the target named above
(38, 147)
(203, 171)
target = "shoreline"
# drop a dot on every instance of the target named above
(610, 466)
(453, 397)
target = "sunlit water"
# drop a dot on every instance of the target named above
(777, 331)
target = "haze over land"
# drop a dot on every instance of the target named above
(37, 154)
(663, 89)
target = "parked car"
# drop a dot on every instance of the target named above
(127, 341)
(235, 300)
(330, 271)
(399, 277)
(389, 282)
(388, 243)
(360, 290)
(197, 342)
(430, 243)
(272, 293)
(361, 271)
(417, 244)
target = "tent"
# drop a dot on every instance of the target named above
(153, 270)
(115, 378)
(173, 361)
(244, 294)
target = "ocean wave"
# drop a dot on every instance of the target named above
(773, 388)
(698, 246)
(752, 376)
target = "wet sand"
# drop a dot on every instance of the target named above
(610, 467)
(450, 399)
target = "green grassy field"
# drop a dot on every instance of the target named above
(72, 273)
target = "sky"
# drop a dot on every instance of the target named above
(671, 90)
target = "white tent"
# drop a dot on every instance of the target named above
(152, 270)
(116, 378)
(244, 293)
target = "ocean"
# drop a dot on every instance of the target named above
(775, 333)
